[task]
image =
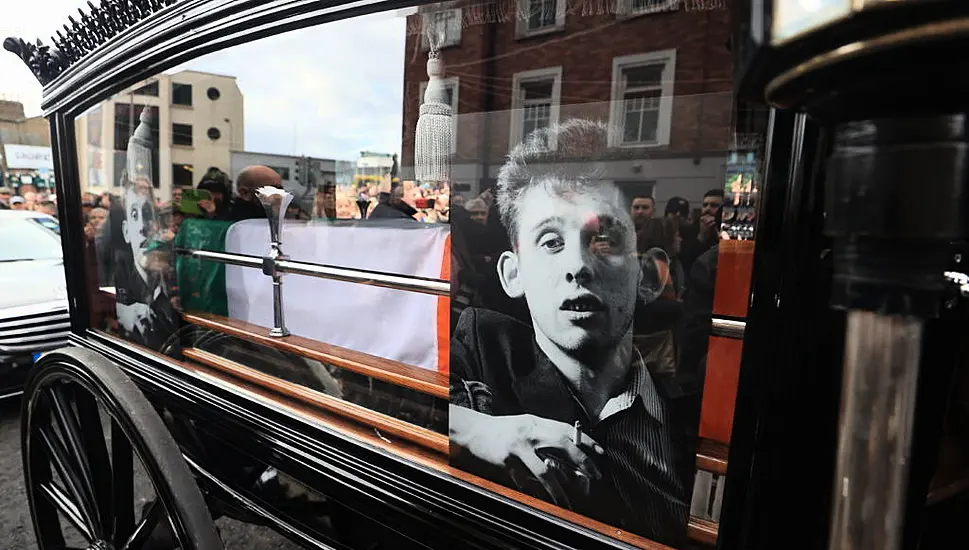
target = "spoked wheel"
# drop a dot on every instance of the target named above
(90, 440)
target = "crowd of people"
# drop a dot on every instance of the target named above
(36, 201)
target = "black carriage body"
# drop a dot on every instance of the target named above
(784, 429)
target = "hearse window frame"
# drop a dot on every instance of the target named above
(63, 116)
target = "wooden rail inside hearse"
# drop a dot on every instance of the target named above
(415, 443)
(421, 445)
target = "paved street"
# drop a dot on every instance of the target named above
(15, 526)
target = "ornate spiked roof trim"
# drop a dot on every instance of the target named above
(104, 22)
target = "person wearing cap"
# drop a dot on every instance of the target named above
(218, 207)
(18, 203)
(677, 207)
(5, 194)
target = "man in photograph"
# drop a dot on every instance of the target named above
(144, 309)
(565, 409)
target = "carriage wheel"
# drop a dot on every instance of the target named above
(85, 427)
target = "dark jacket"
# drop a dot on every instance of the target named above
(497, 368)
(386, 208)
(245, 210)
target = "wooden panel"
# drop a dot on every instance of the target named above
(735, 264)
(711, 456)
(702, 531)
(720, 389)
(415, 434)
(394, 372)
(422, 456)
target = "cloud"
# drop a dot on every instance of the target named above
(333, 90)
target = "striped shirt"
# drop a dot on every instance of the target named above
(633, 429)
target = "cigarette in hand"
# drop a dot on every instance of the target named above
(577, 434)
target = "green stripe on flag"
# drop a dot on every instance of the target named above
(201, 283)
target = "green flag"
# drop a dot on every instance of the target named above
(201, 283)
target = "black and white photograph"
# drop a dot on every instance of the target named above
(551, 394)
(142, 253)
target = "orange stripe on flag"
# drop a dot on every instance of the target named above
(444, 315)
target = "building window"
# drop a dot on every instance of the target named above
(182, 134)
(535, 102)
(540, 16)
(451, 88)
(444, 25)
(148, 89)
(182, 175)
(181, 94)
(642, 99)
(213, 93)
(629, 8)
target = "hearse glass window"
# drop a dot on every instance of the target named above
(481, 222)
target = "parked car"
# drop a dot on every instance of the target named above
(33, 295)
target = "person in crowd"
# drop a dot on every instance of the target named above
(663, 234)
(46, 207)
(642, 209)
(324, 203)
(217, 183)
(457, 201)
(86, 207)
(30, 199)
(392, 205)
(678, 208)
(18, 203)
(95, 222)
(176, 196)
(246, 204)
(564, 408)
(101, 306)
(105, 200)
(705, 232)
(5, 194)
(478, 210)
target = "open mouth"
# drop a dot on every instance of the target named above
(583, 304)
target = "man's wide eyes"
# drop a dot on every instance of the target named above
(550, 241)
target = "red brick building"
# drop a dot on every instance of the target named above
(659, 71)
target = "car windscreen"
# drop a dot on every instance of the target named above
(49, 223)
(23, 240)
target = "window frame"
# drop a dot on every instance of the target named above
(518, 109)
(625, 10)
(191, 99)
(455, 102)
(448, 43)
(191, 135)
(616, 102)
(521, 25)
(151, 89)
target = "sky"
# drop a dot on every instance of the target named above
(328, 91)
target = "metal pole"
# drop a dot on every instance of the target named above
(881, 368)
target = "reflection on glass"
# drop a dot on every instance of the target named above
(580, 171)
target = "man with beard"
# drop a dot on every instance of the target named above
(565, 409)
(705, 231)
(145, 313)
